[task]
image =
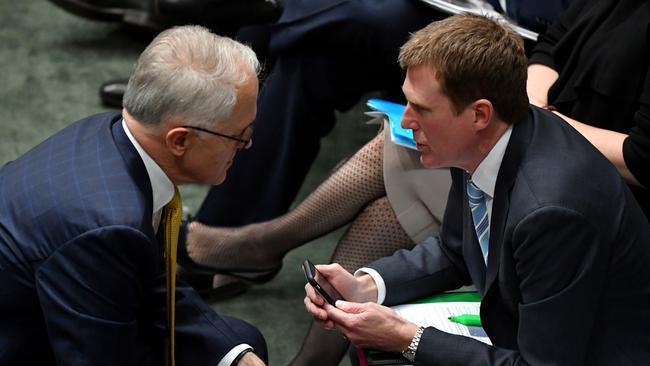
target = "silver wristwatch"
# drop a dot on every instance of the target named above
(409, 352)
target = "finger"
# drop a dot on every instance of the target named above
(350, 307)
(316, 311)
(315, 297)
(315, 308)
(329, 270)
(338, 316)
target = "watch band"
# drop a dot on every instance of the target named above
(409, 352)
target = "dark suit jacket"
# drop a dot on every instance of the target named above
(532, 14)
(568, 277)
(81, 274)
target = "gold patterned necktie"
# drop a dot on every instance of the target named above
(172, 213)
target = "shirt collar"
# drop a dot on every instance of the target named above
(485, 175)
(161, 186)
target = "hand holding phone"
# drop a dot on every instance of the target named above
(320, 283)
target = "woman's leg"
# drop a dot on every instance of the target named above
(375, 233)
(334, 203)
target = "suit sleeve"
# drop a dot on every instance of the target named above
(90, 291)
(562, 267)
(202, 336)
(433, 266)
(103, 300)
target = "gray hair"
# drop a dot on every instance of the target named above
(187, 72)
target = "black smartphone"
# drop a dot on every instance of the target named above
(317, 281)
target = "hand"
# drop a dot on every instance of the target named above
(357, 289)
(370, 325)
(314, 305)
(352, 288)
(250, 359)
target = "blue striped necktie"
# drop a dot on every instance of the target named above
(480, 217)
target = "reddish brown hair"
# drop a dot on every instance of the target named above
(474, 58)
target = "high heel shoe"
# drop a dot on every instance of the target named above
(211, 286)
(183, 258)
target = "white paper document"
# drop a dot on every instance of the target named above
(437, 315)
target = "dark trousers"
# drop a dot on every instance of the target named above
(321, 60)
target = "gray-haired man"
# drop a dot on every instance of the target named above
(84, 275)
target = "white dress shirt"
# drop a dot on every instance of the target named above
(163, 192)
(484, 177)
(161, 186)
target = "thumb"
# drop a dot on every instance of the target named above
(340, 315)
(329, 270)
(350, 307)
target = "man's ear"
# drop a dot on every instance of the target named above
(177, 140)
(483, 112)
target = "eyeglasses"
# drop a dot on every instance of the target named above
(244, 139)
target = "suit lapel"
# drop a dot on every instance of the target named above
(501, 203)
(135, 168)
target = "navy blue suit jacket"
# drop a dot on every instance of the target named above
(534, 15)
(568, 262)
(81, 274)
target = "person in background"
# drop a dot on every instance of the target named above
(591, 69)
(89, 218)
(556, 258)
(321, 57)
(385, 215)
(531, 14)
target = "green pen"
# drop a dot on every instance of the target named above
(471, 320)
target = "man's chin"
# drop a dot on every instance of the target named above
(429, 163)
(218, 181)
(215, 180)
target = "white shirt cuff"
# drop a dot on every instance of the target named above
(381, 286)
(230, 356)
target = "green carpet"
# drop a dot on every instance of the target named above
(52, 65)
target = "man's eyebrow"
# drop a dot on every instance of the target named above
(414, 103)
(418, 105)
